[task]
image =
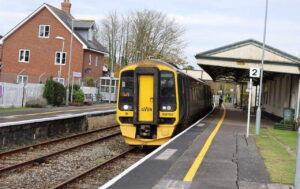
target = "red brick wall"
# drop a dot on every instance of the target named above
(96, 71)
(0, 52)
(42, 50)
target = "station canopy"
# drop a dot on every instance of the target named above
(231, 63)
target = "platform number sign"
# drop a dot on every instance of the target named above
(254, 72)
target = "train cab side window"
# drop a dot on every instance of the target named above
(126, 91)
(127, 84)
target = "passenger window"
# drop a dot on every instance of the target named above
(167, 87)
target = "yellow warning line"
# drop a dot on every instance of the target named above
(195, 166)
(59, 111)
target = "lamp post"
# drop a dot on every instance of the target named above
(258, 112)
(70, 62)
(61, 54)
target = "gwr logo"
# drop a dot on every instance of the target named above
(146, 109)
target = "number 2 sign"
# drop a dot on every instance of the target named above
(254, 72)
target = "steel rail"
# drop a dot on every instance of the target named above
(54, 141)
(42, 158)
(84, 173)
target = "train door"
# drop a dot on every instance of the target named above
(146, 105)
(146, 96)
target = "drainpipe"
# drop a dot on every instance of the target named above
(298, 99)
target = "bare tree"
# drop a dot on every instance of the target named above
(142, 35)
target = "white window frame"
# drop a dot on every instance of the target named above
(43, 36)
(96, 61)
(60, 62)
(22, 78)
(59, 80)
(24, 50)
(90, 59)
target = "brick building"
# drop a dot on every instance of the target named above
(0, 53)
(39, 47)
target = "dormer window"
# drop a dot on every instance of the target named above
(44, 31)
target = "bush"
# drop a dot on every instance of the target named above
(89, 81)
(78, 96)
(54, 92)
(49, 90)
(76, 87)
(59, 94)
(36, 103)
(288, 122)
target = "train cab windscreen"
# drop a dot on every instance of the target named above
(167, 91)
(126, 91)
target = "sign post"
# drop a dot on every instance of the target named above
(253, 73)
(249, 106)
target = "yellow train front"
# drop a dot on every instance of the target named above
(153, 100)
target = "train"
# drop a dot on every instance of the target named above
(156, 100)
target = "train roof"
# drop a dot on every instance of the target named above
(169, 64)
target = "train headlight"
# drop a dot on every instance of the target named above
(127, 107)
(168, 108)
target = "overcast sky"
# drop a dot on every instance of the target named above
(209, 23)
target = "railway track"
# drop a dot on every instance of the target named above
(62, 166)
(54, 141)
(83, 174)
(27, 155)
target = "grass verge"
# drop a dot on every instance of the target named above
(288, 138)
(279, 163)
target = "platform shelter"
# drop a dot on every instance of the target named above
(281, 86)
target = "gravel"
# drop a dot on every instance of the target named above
(22, 156)
(63, 166)
(109, 171)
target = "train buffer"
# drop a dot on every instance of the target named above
(213, 153)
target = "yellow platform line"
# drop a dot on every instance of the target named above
(60, 111)
(195, 166)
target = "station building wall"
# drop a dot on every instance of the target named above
(279, 93)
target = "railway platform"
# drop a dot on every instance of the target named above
(213, 153)
(40, 113)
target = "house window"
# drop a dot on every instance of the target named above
(44, 31)
(96, 61)
(24, 55)
(22, 78)
(90, 59)
(59, 80)
(60, 58)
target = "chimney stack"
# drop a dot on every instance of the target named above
(66, 6)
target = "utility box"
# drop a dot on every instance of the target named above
(288, 113)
